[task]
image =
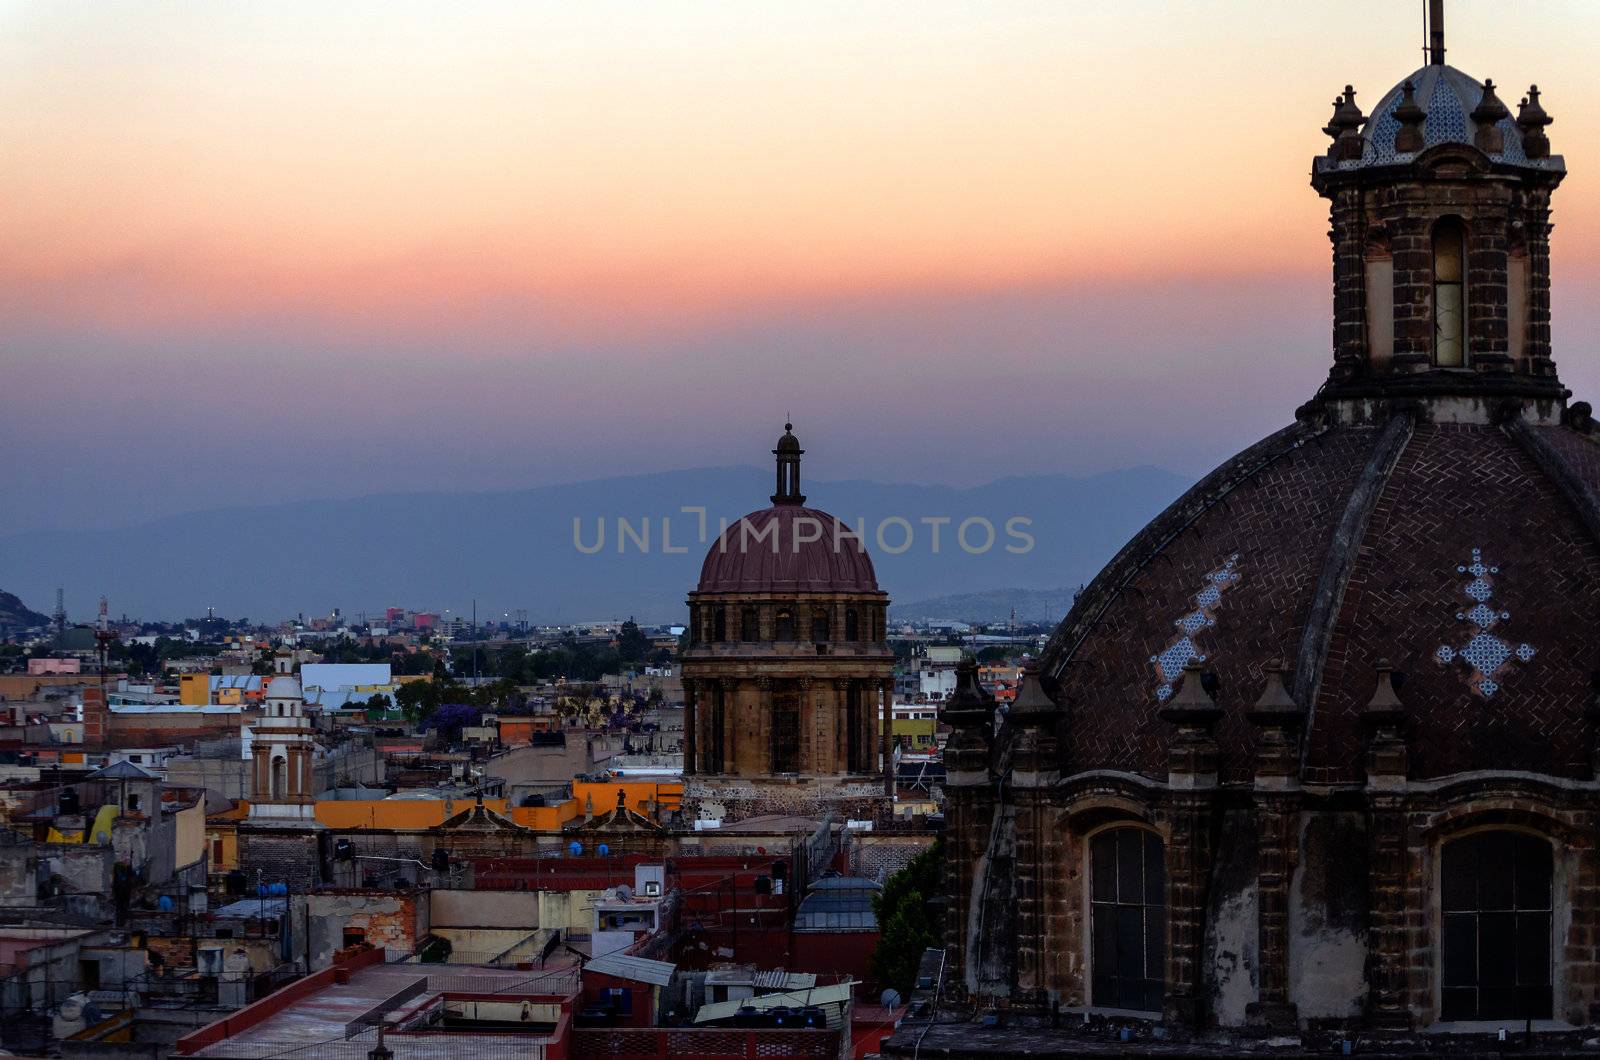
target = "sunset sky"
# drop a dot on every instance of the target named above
(270, 251)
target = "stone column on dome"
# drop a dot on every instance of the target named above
(844, 689)
(755, 726)
(1034, 771)
(969, 810)
(1486, 308)
(691, 761)
(808, 753)
(1192, 785)
(886, 741)
(1278, 721)
(1388, 763)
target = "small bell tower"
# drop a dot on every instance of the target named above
(1439, 203)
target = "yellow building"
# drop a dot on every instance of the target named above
(918, 735)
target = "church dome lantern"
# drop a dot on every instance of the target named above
(1440, 221)
(787, 671)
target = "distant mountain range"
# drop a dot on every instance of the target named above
(14, 614)
(517, 549)
(995, 605)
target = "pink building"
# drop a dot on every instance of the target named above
(45, 667)
(423, 620)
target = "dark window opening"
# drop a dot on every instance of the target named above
(1449, 299)
(819, 626)
(1496, 910)
(718, 719)
(852, 625)
(1128, 913)
(354, 937)
(719, 632)
(784, 625)
(749, 626)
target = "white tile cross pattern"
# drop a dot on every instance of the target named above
(1487, 655)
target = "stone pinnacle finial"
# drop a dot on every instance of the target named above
(1488, 114)
(1033, 706)
(1347, 117)
(1409, 139)
(1532, 120)
(1275, 697)
(1384, 700)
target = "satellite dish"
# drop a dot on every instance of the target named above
(890, 998)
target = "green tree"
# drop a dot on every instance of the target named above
(906, 924)
(631, 645)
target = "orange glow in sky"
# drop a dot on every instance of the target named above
(185, 161)
(1100, 208)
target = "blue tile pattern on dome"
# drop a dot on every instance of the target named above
(1182, 649)
(1448, 97)
(1486, 654)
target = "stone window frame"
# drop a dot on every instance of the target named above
(1569, 849)
(1086, 867)
(1434, 225)
(1556, 884)
(1077, 823)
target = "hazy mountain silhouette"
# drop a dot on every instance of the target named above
(515, 549)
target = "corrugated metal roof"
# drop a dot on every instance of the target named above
(781, 980)
(838, 903)
(637, 969)
(831, 998)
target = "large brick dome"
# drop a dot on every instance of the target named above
(1463, 554)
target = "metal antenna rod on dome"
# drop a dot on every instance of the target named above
(1436, 32)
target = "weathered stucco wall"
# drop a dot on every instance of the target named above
(488, 909)
(1328, 917)
(1231, 927)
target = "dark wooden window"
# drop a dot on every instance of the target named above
(852, 625)
(819, 626)
(1128, 911)
(1496, 927)
(783, 626)
(749, 625)
(1449, 293)
(785, 728)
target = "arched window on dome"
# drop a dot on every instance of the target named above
(783, 624)
(1495, 910)
(819, 625)
(852, 625)
(719, 625)
(749, 625)
(1128, 919)
(1449, 293)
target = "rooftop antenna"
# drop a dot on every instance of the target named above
(1435, 27)
(103, 636)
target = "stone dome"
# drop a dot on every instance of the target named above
(1465, 555)
(787, 548)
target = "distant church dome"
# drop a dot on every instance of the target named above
(284, 686)
(787, 547)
